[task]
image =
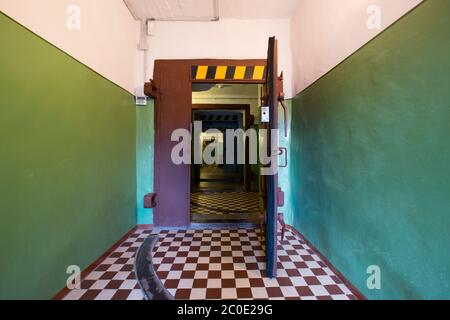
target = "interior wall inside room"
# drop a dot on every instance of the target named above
(105, 40)
(324, 33)
(67, 166)
(369, 167)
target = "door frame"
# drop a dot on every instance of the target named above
(246, 124)
(184, 79)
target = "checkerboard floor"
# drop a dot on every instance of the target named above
(221, 203)
(215, 264)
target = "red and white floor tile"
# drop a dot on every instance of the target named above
(215, 264)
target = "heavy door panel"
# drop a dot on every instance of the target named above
(172, 111)
(270, 182)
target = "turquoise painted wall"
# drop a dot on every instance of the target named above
(144, 159)
(67, 165)
(370, 173)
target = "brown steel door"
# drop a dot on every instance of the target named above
(172, 111)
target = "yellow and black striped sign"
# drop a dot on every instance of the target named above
(237, 73)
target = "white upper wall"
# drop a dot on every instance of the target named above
(326, 32)
(106, 41)
(320, 35)
(225, 39)
(257, 9)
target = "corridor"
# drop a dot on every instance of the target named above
(227, 150)
(226, 204)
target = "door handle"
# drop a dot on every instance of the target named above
(283, 150)
(283, 104)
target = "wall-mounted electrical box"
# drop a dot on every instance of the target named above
(141, 101)
(265, 114)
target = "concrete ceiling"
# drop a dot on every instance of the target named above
(206, 9)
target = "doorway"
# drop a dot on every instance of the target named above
(226, 190)
(219, 176)
(172, 90)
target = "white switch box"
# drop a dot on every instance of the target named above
(141, 101)
(265, 114)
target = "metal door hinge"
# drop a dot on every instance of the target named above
(280, 197)
(150, 200)
(150, 89)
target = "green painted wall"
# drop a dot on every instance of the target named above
(67, 165)
(370, 177)
(144, 159)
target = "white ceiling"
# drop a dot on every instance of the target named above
(204, 9)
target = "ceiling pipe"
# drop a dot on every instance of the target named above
(215, 18)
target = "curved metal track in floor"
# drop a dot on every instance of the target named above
(146, 276)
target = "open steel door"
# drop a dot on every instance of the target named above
(270, 181)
